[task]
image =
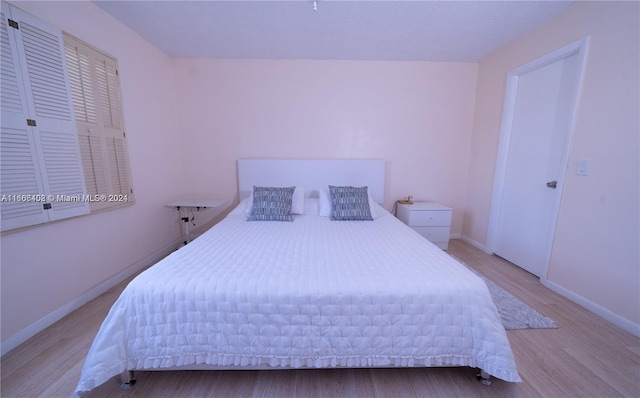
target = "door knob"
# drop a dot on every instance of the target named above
(552, 184)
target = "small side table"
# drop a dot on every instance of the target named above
(186, 205)
(430, 219)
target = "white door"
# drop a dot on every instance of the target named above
(534, 152)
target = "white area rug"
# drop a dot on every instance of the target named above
(513, 312)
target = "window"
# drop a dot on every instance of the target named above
(95, 91)
(63, 150)
(42, 178)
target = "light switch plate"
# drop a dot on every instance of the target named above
(583, 167)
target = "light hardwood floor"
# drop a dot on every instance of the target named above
(585, 357)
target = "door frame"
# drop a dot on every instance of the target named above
(579, 48)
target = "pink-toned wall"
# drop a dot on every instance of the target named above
(596, 256)
(415, 115)
(48, 267)
(436, 124)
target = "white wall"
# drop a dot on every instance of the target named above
(595, 258)
(415, 115)
(48, 267)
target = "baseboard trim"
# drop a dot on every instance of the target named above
(474, 243)
(597, 309)
(38, 326)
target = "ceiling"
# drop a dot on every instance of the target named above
(453, 31)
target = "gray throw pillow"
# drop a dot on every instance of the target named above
(350, 203)
(272, 204)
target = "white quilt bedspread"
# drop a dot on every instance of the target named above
(309, 293)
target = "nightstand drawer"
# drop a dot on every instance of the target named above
(434, 234)
(429, 218)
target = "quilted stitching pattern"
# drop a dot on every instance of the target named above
(313, 293)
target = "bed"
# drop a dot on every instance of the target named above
(309, 293)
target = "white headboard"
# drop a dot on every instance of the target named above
(312, 174)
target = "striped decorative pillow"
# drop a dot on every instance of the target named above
(350, 203)
(272, 204)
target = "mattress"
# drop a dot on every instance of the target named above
(311, 293)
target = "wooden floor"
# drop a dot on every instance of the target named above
(585, 357)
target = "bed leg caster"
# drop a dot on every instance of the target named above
(127, 380)
(484, 378)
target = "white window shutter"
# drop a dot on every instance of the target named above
(110, 105)
(45, 71)
(64, 174)
(101, 130)
(56, 135)
(109, 95)
(79, 68)
(83, 90)
(91, 151)
(19, 170)
(52, 136)
(10, 91)
(20, 181)
(117, 160)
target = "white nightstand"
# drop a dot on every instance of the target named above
(430, 219)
